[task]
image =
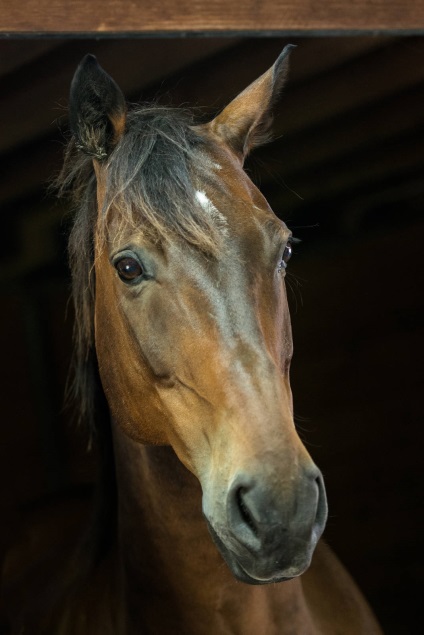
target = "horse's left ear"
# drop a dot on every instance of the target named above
(97, 109)
(245, 122)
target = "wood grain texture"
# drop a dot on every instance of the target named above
(208, 16)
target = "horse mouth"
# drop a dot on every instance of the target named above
(256, 568)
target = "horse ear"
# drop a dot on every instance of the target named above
(245, 122)
(97, 109)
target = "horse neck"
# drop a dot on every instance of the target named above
(173, 577)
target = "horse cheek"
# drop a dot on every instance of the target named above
(134, 404)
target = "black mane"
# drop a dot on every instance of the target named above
(151, 185)
(152, 173)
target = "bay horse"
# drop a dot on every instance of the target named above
(211, 512)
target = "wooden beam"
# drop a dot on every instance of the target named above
(16, 53)
(34, 98)
(391, 162)
(210, 16)
(343, 124)
(351, 132)
(364, 80)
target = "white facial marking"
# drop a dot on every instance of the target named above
(204, 201)
(209, 207)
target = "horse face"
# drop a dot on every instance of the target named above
(194, 351)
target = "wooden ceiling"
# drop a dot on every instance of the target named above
(349, 128)
(210, 16)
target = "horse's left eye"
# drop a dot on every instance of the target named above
(287, 254)
(129, 270)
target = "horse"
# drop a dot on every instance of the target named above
(210, 512)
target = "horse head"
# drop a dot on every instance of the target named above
(191, 321)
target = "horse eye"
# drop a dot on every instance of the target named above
(128, 269)
(287, 253)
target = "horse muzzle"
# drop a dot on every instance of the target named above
(269, 534)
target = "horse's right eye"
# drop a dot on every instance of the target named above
(129, 269)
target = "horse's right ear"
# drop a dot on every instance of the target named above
(97, 109)
(245, 122)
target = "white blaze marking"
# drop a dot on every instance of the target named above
(209, 207)
(204, 201)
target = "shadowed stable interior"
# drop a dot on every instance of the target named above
(346, 175)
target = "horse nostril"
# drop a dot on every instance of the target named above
(259, 519)
(243, 509)
(322, 510)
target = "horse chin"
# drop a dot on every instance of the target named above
(243, 576)
(253, 569)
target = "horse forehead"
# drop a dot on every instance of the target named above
(220, 176)
(227, 180)
(237, 205)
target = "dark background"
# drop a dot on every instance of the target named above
(346, 174)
